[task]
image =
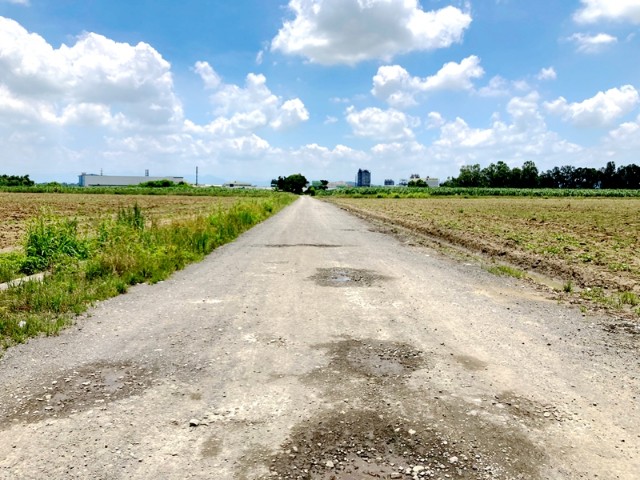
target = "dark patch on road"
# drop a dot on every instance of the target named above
(528, 411)
(377, 426)
(631, 328)
(378, 443)
(89, 387)
(294, 245)
(211, 447)
(371, 359)
(471, 363)
(346, 277)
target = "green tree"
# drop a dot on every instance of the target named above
(529, 175)
(497, 174)
(417, 182)
(470, 176)
(295, 183)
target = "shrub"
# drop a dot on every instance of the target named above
(48, 241)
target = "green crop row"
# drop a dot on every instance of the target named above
(187, 190)
(412, 192)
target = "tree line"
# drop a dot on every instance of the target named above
(500, 175)
(16, 181)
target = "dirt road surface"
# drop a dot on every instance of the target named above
(314, 347)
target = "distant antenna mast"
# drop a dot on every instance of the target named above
(196, 176)
(100, 172)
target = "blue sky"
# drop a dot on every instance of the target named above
(252, 89)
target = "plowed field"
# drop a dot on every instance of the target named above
(16, 209)
(592, 241)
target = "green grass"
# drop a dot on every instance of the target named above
(124, 251)
(506, 270)
(11, 265)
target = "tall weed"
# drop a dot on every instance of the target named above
(50, 241)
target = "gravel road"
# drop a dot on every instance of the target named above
(316, 347)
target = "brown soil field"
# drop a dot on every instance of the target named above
(16, 209)
(594, 242)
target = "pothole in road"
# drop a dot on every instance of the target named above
(292, 245)
(528, 411)
(380, 427)
(91, 386)
(378, 444)
(471, 363)
(346, 277)
(371, 359)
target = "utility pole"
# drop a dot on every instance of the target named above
(196, 176)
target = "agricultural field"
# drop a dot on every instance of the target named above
(86, 248)
(16, 209)
(591, 244)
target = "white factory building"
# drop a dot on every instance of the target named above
(94, 180)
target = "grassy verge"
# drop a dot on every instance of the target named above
(123, 251)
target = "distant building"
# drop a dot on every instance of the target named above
(340, 184)
(363, 178)
(432, 182)
(94, 180)
(389, 182)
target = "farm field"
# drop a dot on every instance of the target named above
(86, 248)
(16, 209)
(591, 243)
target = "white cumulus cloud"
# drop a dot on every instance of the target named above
(398, 88)
(547, 74)
(599, 110)
(350, 31)
(240, 110)
(208, 75)
(586, 43)
(384, 125)
(617, 10)
(116, 78)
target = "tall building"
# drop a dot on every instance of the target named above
(363, 178)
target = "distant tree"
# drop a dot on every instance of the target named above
(529, 175)
(164, 183)
(498, 174)
(324, 184)
(608, 176)
(628, 176)
(470, 176)
(515, 178)
(16, 181)
(295, 183)
(417, 182)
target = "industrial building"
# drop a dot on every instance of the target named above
(94, 180)
(363, 178)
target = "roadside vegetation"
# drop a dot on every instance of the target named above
(85, 265)
(418, 192)
(590, 245)
(149, 188)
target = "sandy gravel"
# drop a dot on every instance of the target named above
(314, 347)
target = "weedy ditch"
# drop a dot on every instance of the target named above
(85, 267)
